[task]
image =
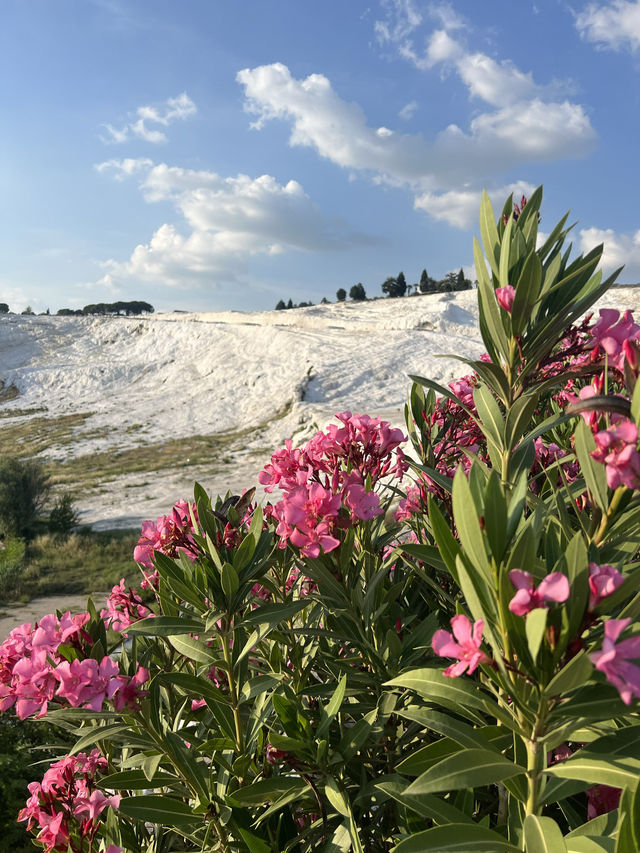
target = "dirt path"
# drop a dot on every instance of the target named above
(16, 614)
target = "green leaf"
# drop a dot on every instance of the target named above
(492, 420)
(425, 757)
(535, 626)
(466, 519)
(267, 790)
(437, 688)
(194, 685)
(230, 580)
(543, 835)
(165, 811)
(448, 726)
(427, 805)
(527, 293)
(93, 734)
(610, 760)
(469, 768)
(591, 844)
(274, 614)
(332, 708)
(489, 233)
(456, 838)
(133, 780)
(573, 675)
(593, 472)
(166, 626)
(193, 649)
(336, 797)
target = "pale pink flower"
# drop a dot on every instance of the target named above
(364, 505)
(95, 804)
(463, 645)
(505, 296)
(553, 588)
(616, 450)
(610, 334)
(614, 659)
(603, 581)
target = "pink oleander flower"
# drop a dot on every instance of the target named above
(602, 799)
(616, 450)
(67, 803)
(611, 333)
(613, 660)
(170, 534)
(603, 581)
(364, 505)
(553, 588)
(123, 608)
(505, 296)
(464, 645)
(86, 683)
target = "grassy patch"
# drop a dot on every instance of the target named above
(37, 434)
(87, 562)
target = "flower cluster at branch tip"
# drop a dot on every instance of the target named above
(328, 484)
(613, 660)
(124, 606)
(464, 645)
(171, 535)
(67, 804)
(616, 450)
(613, 335)
(50, 662)
(552, 589)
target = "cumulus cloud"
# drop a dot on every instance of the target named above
(173, 109)
(460, 207)
(619, 249)
(522, 131)
(227, 219)
(614, 25)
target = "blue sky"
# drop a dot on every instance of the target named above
(210, 154)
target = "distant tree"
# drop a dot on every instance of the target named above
(4, 308)
(358, 293)
(28, 310)
(289, 304)
(324, 301)
(341, 294)
(69, 312)
(303, 305)
(280, 306)
(24, 487)
(390, 287)
(63, 518)
(401, 284)
(427, 284)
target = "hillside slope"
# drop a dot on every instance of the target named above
(128, 412)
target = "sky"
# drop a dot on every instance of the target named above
(211, 155)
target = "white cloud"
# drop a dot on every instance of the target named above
(525, 131)
(121, 169)
(174, 109)
(408, 110)
(227, 219)
(619, 249)
(614, 25)
(460, 207)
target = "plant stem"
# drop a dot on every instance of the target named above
(610, 513)
(233, 691)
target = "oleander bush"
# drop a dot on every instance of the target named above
(423, 652)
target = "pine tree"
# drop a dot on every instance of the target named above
(280, 306)
(357, 292)
(401, 284)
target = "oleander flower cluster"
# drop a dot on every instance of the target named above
(50, 662)
(329, 484)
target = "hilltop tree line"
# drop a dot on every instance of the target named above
(103, 308)
(396, 286)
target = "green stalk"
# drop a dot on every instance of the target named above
(536, 761)
(233, 690)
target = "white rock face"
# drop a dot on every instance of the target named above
(146, 380)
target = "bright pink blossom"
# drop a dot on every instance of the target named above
(463, 645)
(603, 581)
(553, 588)
(505, 296)
(124, 606)
(170, 534)
(613, 660)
